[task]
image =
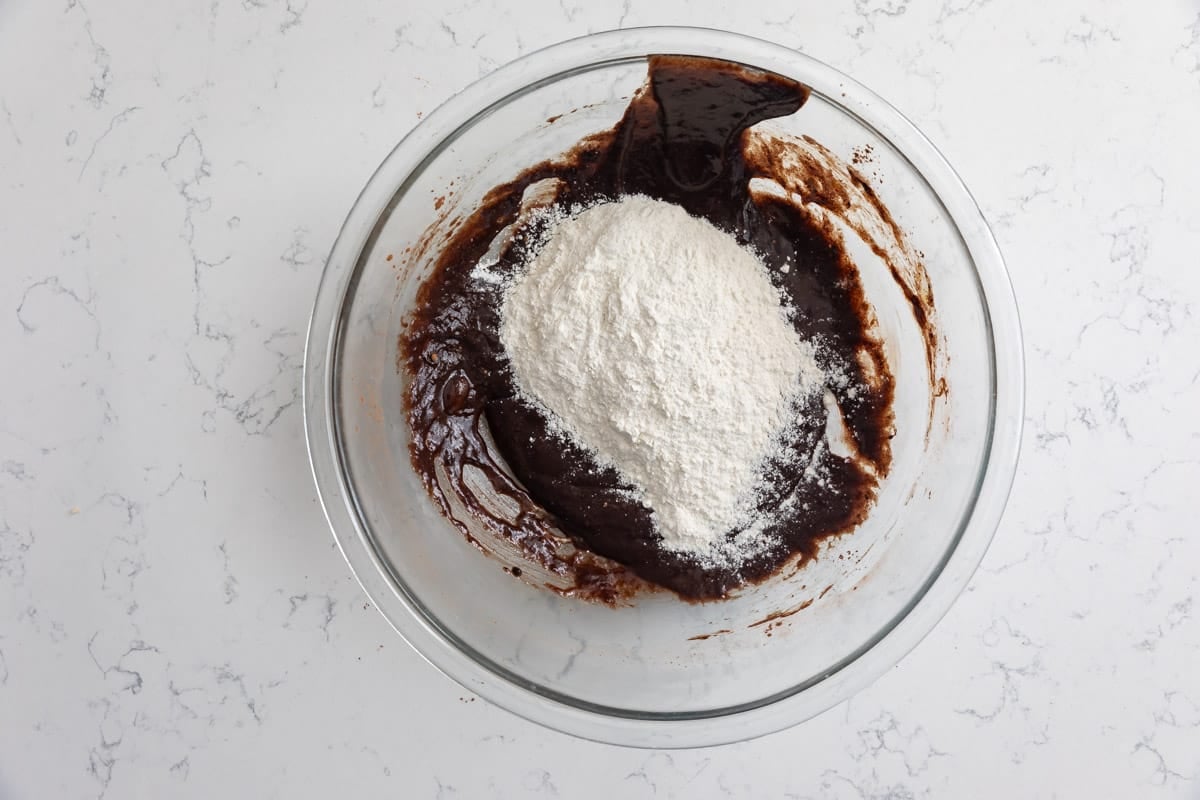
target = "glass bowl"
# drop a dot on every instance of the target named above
(661, 672)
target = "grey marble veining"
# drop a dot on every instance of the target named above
(175, 620)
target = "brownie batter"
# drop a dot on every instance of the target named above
(681, 140)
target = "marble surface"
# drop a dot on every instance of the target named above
(175, 620)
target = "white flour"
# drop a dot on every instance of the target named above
(657, 342)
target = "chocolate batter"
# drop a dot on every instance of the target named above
(681, 140)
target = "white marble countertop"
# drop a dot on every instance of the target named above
(175, 620)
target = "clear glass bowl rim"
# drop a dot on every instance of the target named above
(541, 704)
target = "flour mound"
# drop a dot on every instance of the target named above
(655, 341)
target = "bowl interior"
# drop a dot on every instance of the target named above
(660, 657)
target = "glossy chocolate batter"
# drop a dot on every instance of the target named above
(681, 140)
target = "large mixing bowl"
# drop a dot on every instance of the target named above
(661, 672)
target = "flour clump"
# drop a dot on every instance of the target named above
(657, 342)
